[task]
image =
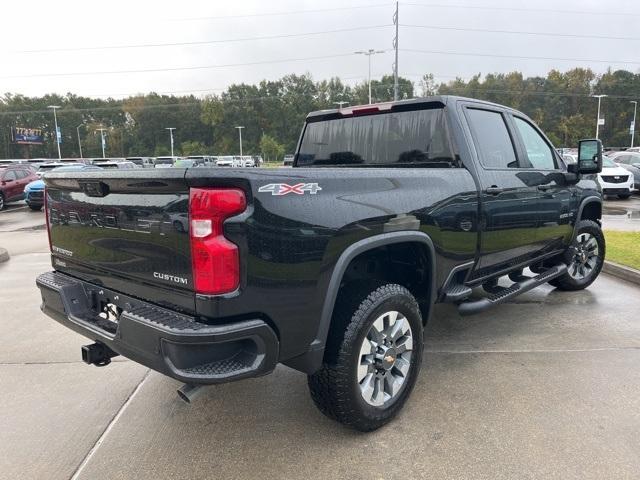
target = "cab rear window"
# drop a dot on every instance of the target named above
(417, 138)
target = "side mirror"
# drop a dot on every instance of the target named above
(589, 156)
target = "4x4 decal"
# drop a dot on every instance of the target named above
(284, 188)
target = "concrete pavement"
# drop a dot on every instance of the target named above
(545, 387)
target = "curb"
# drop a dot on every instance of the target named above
(4, 255)
(625, 273)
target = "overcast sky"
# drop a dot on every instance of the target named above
(29, 36)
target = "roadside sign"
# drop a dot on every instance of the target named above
(27, 136)
(632, 127)
(601, 121)
(58, 135)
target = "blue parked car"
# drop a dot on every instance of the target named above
(34, 191)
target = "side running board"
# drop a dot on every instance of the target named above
(501, 295)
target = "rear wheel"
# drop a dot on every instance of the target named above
(584, 258)
(36, 208)
(1, 201)
(372, 358)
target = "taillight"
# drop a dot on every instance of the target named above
(215, 260)
(46, 216)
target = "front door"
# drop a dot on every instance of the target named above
(509, 216)
(10, 184)
(557, 200)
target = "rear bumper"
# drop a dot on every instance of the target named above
(166, 341)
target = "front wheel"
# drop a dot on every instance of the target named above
(584, 258)
(372, 358)
(624, 197)
(35, 208)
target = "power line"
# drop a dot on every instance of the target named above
(203, 42)
(514, 32)
(479, 89)
(523, 57)
(175, 69)
(518, 9)
(275, 14)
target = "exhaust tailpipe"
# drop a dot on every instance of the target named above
(188, 392)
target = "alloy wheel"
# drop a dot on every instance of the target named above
(385, 358)
(584, 257)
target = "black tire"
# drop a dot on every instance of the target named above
(2, 202)
(568, 281)
(335, 388)
(35, 208)
(624, 197)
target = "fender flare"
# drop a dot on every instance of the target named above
(584, 203)
(353, 251)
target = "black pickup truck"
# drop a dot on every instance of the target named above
(331, 267)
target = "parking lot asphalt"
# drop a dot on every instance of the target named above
(621, 214)
(547, 386)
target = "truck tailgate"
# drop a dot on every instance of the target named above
(128, 234)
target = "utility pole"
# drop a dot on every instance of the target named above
(240, 135)
(171, 129)
(79, 142)
(599, 97)
(55, 122)
(368, 53)
(395, 63)
(633, 123)
(102, 141)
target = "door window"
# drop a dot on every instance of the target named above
(492, 139)
(538, 151)
(10, 175)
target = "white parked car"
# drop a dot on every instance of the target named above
(164, 162)
(615, 180)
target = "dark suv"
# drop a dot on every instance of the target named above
(13, 179)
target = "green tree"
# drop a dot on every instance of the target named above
(192, 147)
(271, 150)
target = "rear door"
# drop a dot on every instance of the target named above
(508, 214)
(557, 200)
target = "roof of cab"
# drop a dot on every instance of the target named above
(443, 100)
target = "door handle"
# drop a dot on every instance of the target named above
(493, 190)
(545, 187)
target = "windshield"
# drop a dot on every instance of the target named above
(608, 163)
(413, 138)
(164, 161)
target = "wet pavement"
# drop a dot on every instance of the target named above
(547, 386)
(621, 214)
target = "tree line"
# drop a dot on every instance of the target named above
(272, 112)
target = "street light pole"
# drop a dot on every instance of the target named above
(102, 130)
(171, 129)
(55, 122)
(633, 124)
(79, 142)
(599, 97)
(240, 135)
(368, 53)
